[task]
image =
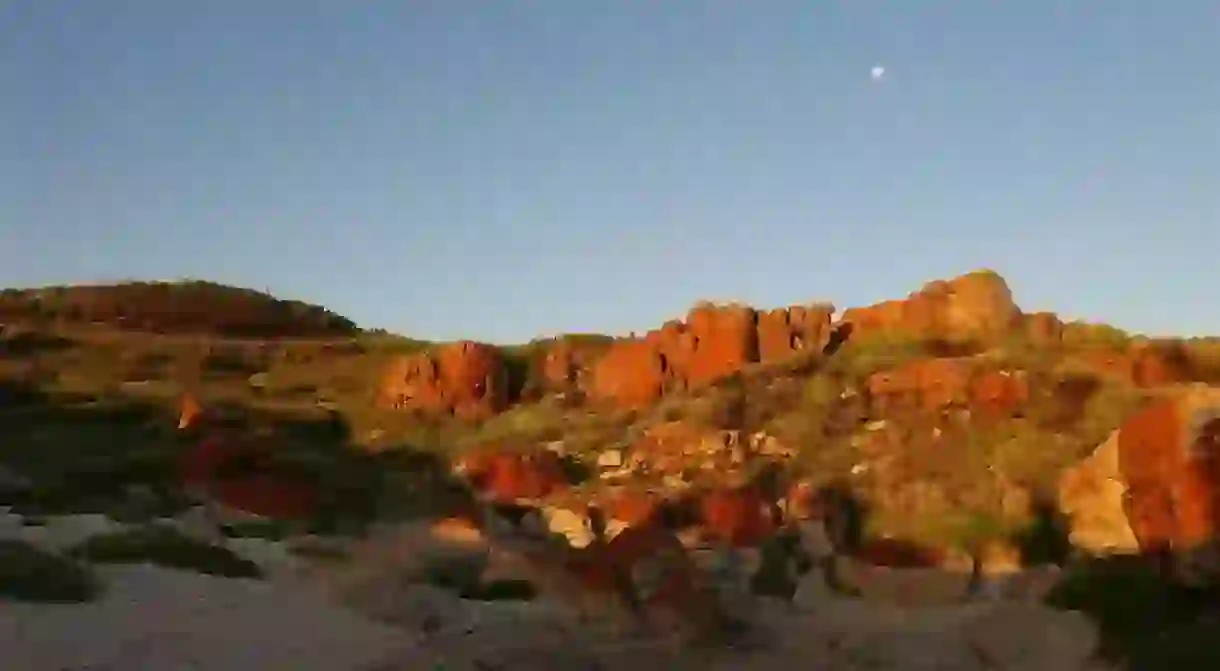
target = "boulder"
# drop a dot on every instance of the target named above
(1169, 457)
(513, 476)
(1091, 495)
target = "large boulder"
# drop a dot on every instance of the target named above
(1169, 456)
(1091, 495)
(512, 476)
(466, 379)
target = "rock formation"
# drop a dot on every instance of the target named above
(976, 307)
(1091, 494)
(712, 343)
(466, 379)
(1169, 455)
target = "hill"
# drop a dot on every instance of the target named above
(183, 308)
(952, 415)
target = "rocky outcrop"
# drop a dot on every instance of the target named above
(1169, 456)
(1140, 366)
(1043, 328)
(722, 340)
(465, 379)
(713, 342)
(976, 307)
(737, 517)
(512, 476)
(1091, 495)
(998, 394)
(931, 385)
(786, 331)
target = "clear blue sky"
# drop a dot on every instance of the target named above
(504, 169)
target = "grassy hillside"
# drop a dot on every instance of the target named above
(188, 307)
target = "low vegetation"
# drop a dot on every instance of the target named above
(1144, 621)
(89, 379)
(164, 546)
(28, 573)
(185, 307)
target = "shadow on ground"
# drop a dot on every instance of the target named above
(78, 455)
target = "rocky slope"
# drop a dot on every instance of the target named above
(970, 434)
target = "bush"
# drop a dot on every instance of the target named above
(166, 547)
(1083, 334)
(30, 574)
(1143, 620)
(861, 357)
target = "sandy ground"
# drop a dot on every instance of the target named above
(365, 615)
(156, 618)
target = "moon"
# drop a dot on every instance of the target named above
(877, 73)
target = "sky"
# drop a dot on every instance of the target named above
(503, 170)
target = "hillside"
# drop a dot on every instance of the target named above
(181, 308)
(953, 415)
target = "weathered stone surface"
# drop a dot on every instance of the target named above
(1043, 328)
(466, 379)
(512, 476)
(976, 307)
(738, 517)
(677, 448)
(712, 343)
(1091, 495)
(565, 364)
(632, 374)
(784, 332)
(1141, 366)
(929, 384)
(999, 394)
(1169, 455)
(724, 339)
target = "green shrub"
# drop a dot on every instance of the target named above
(167, 547)
(28, 573)
(1084, 334)
(863, 356)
